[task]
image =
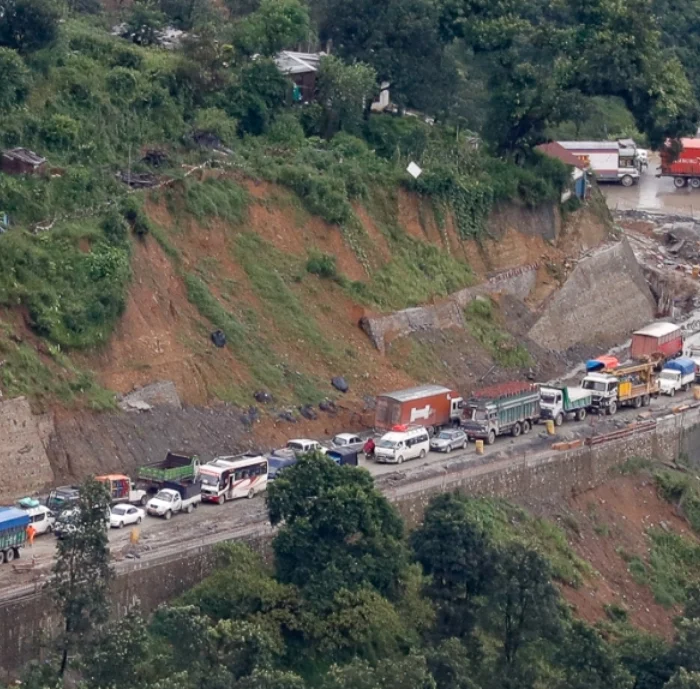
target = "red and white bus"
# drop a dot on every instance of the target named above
(229, 478)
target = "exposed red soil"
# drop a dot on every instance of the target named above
(610, 521)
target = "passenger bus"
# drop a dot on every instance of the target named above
(229, 478)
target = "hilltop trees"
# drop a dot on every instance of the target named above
(28, 25)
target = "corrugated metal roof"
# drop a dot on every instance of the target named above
(657, 329)
(24, 155)
(590, 145)
(556, 150)
(416, 393)
(291, 62)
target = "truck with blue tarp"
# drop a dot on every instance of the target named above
(13, 532)
(678, 374)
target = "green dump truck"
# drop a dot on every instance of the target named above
(174, 468)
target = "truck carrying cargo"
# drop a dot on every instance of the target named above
(431, 406)
(633, 385)
(173, 498)
(681, 160)
(13, 532)
(122, 489)
(610, 161)
(657, 343)
(678, 374)
(559, 402)
(506, 408)
(174, 467)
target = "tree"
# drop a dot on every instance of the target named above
(144, 23)
(684, 680)
(338, 531)
(81, 572)
(388, 673)
(343, 91)
(522, 607)
(456, 553)
(275, 25)
(454, 665)
(14, 79)
(646, 657)
(27, 25)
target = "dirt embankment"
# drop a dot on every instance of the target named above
(607, 527)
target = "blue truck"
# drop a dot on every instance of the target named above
(13, 532)
(678, 374)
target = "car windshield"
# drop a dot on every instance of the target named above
(479, 415)
(668, 375)
(596, 385)
(390, 444)
(209, 480)
(277, 464)
(165, 497)
(446, 435)
(119, 510)
(339, 440)
(547, 398)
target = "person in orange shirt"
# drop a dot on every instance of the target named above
(31, 532)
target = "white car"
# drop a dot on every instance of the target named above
(300, 446)
(123, 515)
(350, 441)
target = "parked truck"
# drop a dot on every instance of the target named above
(681, 160)
(609, 161)
(122, 489)
(63, 497)
(431, 406)
(678, 374)
(658, 343)
(13, 532)
(560, 402)
(174, 498)
(174, 467)
(506, 408)
(633, 385)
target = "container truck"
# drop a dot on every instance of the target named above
(13, 532)
(657, 342)
(609, 161)
(678, 374)
(431, 406)
(498, 409)
(681, 160)
(174, 467)
(632, 385)
(560, 402)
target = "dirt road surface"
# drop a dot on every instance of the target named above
(653, 194)
(212, 523)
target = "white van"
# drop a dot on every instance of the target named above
(402, 443)
(40, 516)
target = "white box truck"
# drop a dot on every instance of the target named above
(607, 160)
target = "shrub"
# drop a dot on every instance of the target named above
(60, 131)
(323, 265)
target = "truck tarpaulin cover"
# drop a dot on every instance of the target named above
(682, 364)
(602, 362)
(11, 517)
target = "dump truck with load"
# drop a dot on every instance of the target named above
(174, 467)
(13, 532)
(559, 402)
(632, 385)
(431, 406)
(676, 375)
(498, 409)
(658, 343)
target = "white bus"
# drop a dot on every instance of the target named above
(229, 478)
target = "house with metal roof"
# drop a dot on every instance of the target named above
(21, 161)
(301, 69)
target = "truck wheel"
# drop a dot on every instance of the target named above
(491, 438)
(559, 419)
(679, 182)
(637, 402)
(580, 414)
(143, 500)
(612, 408)
(515, 431)
(646, 400)
(627, 181)
(168, 515)
(2, 556)
(526, 427)
(695, 182)
(189, 509)
(673, 392)
(422, 454)
(9, 555)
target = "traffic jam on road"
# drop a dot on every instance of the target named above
(408, 425)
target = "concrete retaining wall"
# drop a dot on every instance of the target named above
(448, 313)
(603, 301)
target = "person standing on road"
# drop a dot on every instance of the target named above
(31, 532)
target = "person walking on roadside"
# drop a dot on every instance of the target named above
(31, 532)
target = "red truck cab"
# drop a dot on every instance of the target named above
(684, 164)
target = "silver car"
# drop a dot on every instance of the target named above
(446, 441)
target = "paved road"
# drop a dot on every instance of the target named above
(214, 522)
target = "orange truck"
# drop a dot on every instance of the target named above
(432, 406)
(122, 489)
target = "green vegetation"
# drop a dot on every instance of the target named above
(216, 197)
(481, 321)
